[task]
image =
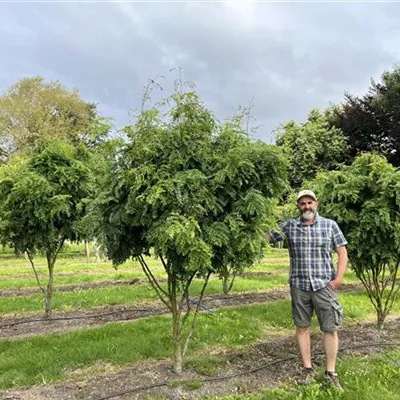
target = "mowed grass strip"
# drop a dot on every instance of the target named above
(11, 283)
(128, 294)
(66, 273)
(29, 282)
(25, 278)
(47, 358)
(21, 268)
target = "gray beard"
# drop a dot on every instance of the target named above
(308, 215)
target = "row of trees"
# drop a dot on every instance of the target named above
(340, 133)
(195, 192)
(350, 154)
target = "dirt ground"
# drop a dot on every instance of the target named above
(73, 320)
(77, 319)
(269, 363)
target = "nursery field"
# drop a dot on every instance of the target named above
(109, 336)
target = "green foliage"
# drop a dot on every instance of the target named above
(41, 197)
(311, 147)
(364, 199)
(42, 201)
(32, 109)
(102, 166)
(192, 189)
(195, 192)
(372, 122)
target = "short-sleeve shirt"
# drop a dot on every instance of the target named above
(310, 250)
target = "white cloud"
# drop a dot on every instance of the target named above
(288, 57)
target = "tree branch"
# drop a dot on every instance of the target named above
(34, 270)
(196, 313)
(184, 297)
(153, 282)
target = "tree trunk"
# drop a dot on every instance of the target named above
(176, 331)
(227, 278)
(225, 284)
(176, 338)
(380, 319)
(87, 251)
(49, 289)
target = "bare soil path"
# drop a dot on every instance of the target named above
(267, 364)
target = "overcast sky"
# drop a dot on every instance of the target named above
(287, 57)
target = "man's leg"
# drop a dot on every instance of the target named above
(331, 345)
(304, 343)
(330, 314)
(302, 310)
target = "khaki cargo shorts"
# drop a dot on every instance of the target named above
(324, 302)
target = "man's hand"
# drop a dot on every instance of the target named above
(335, 284)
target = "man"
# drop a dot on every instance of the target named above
(313, 280)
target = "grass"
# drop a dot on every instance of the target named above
(52, 357)
(187, 384)
(10, 283)
(207, 365)
(47, 358)
(126, 294)
(77, 272)
(17, 273)
(363, 378)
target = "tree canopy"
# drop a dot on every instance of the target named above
(364, 198)
(196, 192)
(371, 122)
(311, 147)
(32, 109)
(41, 200)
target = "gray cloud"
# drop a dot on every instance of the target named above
(287, 57)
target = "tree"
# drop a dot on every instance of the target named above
(102, 163)
(372, 122)
(364, 199)
(311, 147)
(42, 202)
(194, 192)
(32, 109)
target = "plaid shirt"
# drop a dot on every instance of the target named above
(310, 250)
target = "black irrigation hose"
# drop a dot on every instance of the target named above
(250, 371)
(26, 321)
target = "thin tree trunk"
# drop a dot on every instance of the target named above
(380, 319)
(228, 284)
(176, 332)
(176, 337)
(87, 251)
(196, 313)
(51, 261)
(29, 256)
(49, 290)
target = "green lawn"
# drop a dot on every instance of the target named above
(32, 360)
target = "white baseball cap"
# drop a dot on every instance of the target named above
(308, 193)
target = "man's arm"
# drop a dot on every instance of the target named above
(268, 236)
(341, 267)
(276, 235)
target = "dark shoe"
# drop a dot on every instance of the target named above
(332, 379)
(306, 377)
